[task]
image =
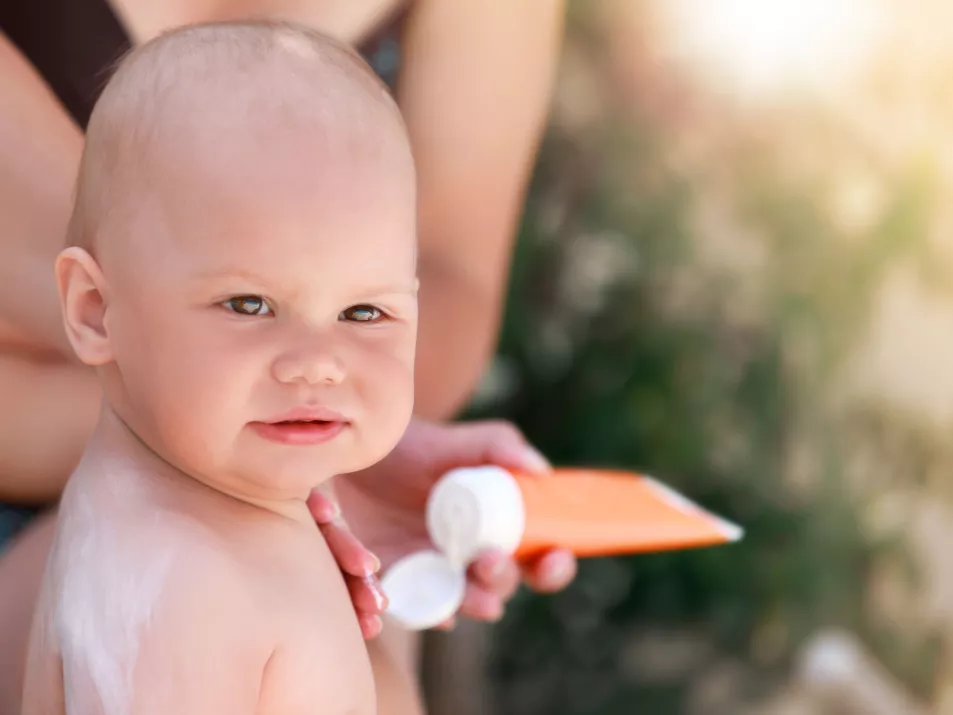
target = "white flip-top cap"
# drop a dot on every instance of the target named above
(469, 510)
(423, 590)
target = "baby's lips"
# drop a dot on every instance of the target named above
(308, 413)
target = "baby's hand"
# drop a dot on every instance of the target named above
(384, 506)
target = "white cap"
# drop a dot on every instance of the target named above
(423, 590)
(469, 510)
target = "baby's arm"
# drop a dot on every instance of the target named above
(203, 650)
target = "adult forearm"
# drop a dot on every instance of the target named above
(30, 319)
(39, 152)
(459, 321)
(48, 412)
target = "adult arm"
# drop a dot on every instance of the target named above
(39, 156)
(50, 401)
(474, 88)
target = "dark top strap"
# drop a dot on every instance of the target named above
(74, 44)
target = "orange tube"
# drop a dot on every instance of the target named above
(601, 513)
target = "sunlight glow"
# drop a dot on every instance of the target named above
(764, 44)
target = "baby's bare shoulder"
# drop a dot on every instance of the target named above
(206, 644)
(322, 656)
(294, 595)
(213, 598)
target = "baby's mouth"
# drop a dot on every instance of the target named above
(300, 432)
(305, 422)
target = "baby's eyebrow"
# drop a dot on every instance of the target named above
(256, 279)
(241, 273)
(393, 289)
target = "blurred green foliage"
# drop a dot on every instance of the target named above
(598, 369)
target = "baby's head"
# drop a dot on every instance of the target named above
(242, 267)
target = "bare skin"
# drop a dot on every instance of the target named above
(468, 222)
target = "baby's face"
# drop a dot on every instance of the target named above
(263, 319)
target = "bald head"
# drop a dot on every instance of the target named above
(224, 92)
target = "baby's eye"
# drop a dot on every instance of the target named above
(248, 305)
(361, 314)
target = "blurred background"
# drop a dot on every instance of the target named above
(734, 274)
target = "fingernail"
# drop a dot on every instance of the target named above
(380, 598)
(534, 460)
(335, 510)
(497, 566)
(370, 564)
(559, 570)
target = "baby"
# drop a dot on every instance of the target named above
(242, 274)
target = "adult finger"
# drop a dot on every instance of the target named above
(351, 555)
(496, 572)
(488, 442)
(371, 625)
(323, 509)
(366, 594)
(447, 625)
(551, 572)
(481, 604)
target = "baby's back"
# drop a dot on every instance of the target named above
(157, 602)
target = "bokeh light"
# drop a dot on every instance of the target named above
(778, 44)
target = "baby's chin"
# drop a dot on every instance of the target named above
(296, 480)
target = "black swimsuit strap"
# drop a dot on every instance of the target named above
(73, 44)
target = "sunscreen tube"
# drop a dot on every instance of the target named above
(590, 512)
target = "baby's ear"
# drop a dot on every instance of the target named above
(83, 302)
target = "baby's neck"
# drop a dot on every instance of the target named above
(116, 454)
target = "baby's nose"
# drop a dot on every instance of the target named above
(313, 367)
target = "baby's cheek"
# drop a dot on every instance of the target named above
(393, 402)
(197, 390)
(198, 425)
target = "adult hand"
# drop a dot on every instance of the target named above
(384, 506)
(358, 565)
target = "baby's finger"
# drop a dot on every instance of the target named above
(348, 551)
(481, 604)
(496, 572)
(551, 572)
